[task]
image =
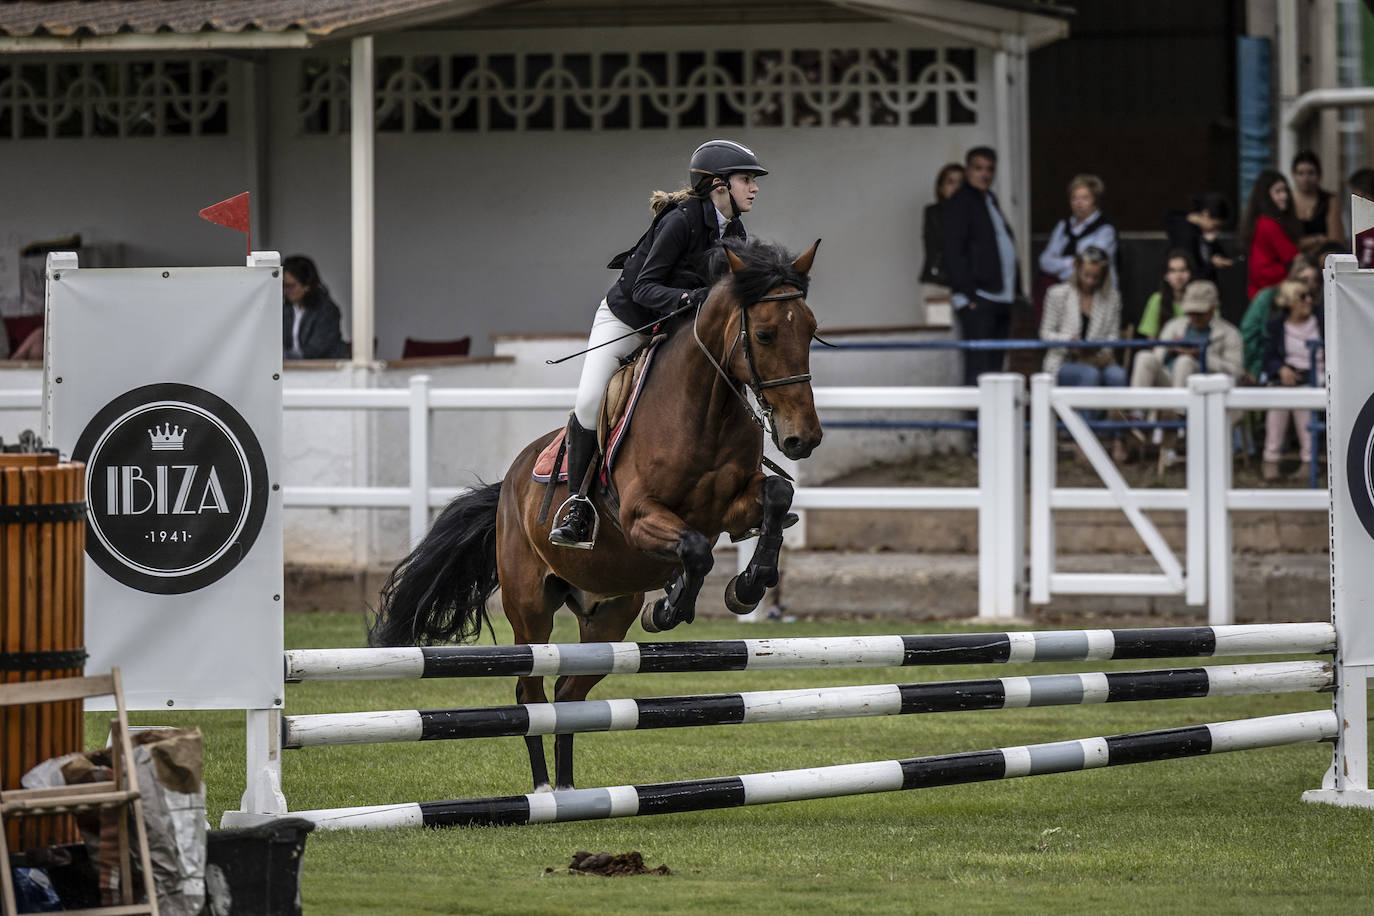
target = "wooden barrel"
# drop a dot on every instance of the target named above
(42, 620)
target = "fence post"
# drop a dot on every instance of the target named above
(1042, 480)
(418, 417)
(1001, 496)
(1195, 515)
(1216, 448)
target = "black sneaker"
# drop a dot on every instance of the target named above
(578, 527)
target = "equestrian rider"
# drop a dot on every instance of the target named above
(665, 271)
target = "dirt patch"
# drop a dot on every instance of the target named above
(612, 866)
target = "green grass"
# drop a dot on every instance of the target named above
(1225, 833)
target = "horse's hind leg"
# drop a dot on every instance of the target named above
(746, 590)
(530, 601)
(608, 621)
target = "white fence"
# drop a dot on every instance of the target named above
(1010, 570)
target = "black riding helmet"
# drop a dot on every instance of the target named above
(721, 159)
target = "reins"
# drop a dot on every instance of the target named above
(756, 384)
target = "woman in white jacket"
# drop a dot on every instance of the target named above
(1086, 307)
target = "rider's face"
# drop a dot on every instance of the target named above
(744, 187)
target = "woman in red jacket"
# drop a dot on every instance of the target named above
(1270, 231)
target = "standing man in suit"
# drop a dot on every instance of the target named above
(980, 259)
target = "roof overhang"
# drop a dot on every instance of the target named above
(77, 26)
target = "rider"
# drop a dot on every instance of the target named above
(663, 272)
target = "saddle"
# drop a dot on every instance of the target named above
(613, 419)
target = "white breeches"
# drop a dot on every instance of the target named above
(599, 365)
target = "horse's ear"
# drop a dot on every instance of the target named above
(736, 265)
(803, 263)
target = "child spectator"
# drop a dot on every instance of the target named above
(1254, 327)
(1289, 363)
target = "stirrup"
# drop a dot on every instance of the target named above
(788, 521)
(596, 524)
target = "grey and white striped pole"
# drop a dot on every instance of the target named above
(833, 781)
(802, 705)
(801, 653)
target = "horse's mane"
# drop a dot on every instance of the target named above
(766, 266)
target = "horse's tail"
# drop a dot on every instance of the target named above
(439, 593)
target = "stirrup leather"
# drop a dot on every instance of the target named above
(596, 523)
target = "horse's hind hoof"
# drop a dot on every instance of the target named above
(735, 603)
(655, 617)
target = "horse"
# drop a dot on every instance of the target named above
(690, 468)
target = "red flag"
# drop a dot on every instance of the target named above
(232, 213)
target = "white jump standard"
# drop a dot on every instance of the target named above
(835, 781)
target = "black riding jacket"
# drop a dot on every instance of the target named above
(675, 262)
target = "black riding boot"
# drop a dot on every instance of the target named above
(577, 528)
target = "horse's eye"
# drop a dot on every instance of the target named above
(763, 337)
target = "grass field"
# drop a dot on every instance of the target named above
(1225, 834)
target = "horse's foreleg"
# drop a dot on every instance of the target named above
(747, 589)
(539, 768)
(654, 529)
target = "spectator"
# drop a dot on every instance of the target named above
(980, 261)
(933, 224)
(1289, 363)
(1087, 307)
(309, 318)
(1318, 220)
(1254, 327)
(1085, 225)
(1362, 186)
(1198, 232)
(1269, 230)
(1170, 365)
(1168, 302)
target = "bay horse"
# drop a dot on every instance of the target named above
(690, 468)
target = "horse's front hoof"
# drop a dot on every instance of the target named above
(738, 604)
(655, 618)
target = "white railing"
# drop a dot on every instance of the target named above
(1204, 576)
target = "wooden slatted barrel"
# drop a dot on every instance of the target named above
(42, 620)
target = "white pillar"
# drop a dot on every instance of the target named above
(1042, 479)
(363, 192)
(1216, 447)
(1002, 496)
(419, 458)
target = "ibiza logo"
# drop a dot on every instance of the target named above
(1359, 466)
(177, 487)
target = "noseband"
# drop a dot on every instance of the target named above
(756, 384)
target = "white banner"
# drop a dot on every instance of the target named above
(1350, 439)
(167, 383)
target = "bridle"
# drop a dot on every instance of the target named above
(756, 385)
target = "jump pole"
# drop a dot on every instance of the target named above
(807, 704)
(794, 653)
(831, 781)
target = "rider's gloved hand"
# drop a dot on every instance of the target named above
(697, 296)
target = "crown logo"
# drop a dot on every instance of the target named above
(167, 438)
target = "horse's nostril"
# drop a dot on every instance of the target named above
(791, 443)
